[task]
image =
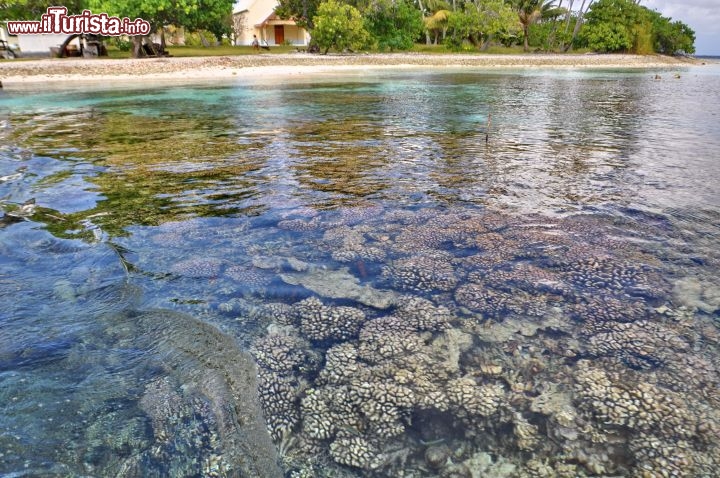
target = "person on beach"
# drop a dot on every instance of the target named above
(255, 43)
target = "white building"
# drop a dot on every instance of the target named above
(40, 45)
(257, 17)
(36, 45)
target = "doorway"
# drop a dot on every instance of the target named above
(279, 34)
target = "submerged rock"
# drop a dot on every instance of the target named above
(696, 294)
(341, 284)
(211, 367)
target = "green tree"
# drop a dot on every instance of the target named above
(211, 15)
(548, 36)
(624, 25)
(394, 25)
(339, 26)
(214, 16)
(302, 11)
(479, 22)
(530, 12)
(32, 9)
(612, 25)
(672, 37)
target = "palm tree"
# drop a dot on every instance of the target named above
(437, 24)
(532, 11)
(436, 14)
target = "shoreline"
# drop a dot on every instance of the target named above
(33, 72)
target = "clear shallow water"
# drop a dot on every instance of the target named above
(570, 262)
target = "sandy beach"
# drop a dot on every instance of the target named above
(50, 71)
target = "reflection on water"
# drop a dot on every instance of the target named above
(465, 274)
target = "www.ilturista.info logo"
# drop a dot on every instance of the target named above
(56, 20)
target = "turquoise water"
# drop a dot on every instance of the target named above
(460, 273)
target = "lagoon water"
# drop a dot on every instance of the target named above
(457, 273)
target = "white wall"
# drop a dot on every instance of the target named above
(254, 12)
(37, 45)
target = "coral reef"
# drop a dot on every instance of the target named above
(278, 396)
(493, 303)
(667, 433)
(300, 225)
(280, 353)
(429, 271)
(320, 322)
(615, 276)
(641, 344)
(501, 347)
(251, 278)
(468, 399)
(198, 268)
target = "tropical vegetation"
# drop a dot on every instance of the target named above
(339, 26)
(390, 25)
(626, 26)
(539, 25)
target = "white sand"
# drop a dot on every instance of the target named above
(61, 71)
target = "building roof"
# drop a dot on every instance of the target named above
(243, 5)
(273, 19)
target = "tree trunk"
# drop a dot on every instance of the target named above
(422, 11)
(568, 16)
(137, 50)
(551, 36)
(305, 15)
(486, 44)
(203, 40)
(162, 40)
(526, 45)
(578, 23)
(64, 45)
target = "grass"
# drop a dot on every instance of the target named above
(492, 50)
(223, 50)
(226, 50)
(442, 49)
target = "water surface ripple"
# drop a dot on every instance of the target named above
(460, 273)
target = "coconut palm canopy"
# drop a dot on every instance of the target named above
(532, 11)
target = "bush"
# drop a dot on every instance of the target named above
(481, 22)
(462, 26)
(195, 39)
(394, 26)
(643, 42)
(340, 27)
(121, 43)
(192, 39)
(609, 25)
(549, 36)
